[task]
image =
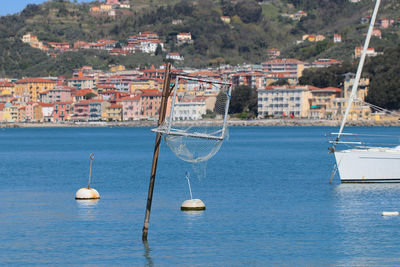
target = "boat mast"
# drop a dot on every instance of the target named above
(359, 70)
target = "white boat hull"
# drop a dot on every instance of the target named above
(374, 165)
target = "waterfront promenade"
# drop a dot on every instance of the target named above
(261, 123)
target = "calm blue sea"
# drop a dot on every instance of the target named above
(266, 191)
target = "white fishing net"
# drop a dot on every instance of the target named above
(194, 149)
(195, 127)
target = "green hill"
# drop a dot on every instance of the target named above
(254, 27)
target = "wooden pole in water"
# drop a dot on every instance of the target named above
(161, 118)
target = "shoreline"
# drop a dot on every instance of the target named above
(248, 123)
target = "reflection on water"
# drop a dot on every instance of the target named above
(193, 215)
(87, 202)
(356, 188)
(358, 220)
(87, 210)
(147, 250)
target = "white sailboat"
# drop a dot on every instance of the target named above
(360, 161)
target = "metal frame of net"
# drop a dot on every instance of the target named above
(193, 138)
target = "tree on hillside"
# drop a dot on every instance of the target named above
(326, 77)
(227, 8)
(384, 90)
(248, 11)
(158, 50)
(30, 10)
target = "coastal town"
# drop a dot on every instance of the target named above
(123, 94)
(129, 95)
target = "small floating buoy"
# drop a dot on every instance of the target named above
(193, 204)
(390, 213)
(87, 192)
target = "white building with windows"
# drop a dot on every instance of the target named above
(279, 101)
(184, 38)
(174, 56)
(192, 109)
(149, 46)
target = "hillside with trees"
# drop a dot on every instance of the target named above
(254, 27)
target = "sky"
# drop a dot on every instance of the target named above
(14, 6)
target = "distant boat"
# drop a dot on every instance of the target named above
(364, 161)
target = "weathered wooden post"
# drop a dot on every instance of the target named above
(162, 113)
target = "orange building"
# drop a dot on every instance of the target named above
(28, 89)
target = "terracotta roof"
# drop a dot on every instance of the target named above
(292, 87)
(326, 60)
(332, 89)
(109, 92)
(147, 79)
(45, 104)
(82, 92)
(105, 86)
(248, 74)
(104, 41)
(150, 92)
(97, 100)
(122, 94)
(119, 51)
(34, 80)
(83, 102)
(115, 106)
(361, 48)
(6, 84)
(312, 88)
(130, 98)
(62, 103)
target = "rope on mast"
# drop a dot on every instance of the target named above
(359, 69)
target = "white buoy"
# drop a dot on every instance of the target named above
(192, 204)
(87, 192)
(390, 213)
